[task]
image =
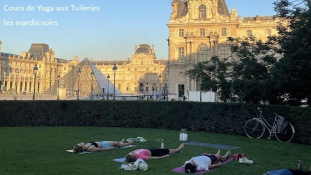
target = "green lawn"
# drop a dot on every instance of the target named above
(41, 150)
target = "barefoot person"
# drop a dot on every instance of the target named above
(205, 162)
(298, 171)
(148, 154)
(99, 146)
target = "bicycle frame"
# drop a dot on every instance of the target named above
(271, 129)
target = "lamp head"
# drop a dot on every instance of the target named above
(35, 69)
(108, 76)
(114, 67)
(79, 70)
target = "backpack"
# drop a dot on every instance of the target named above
(282, 124)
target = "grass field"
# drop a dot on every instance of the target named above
(41, 150)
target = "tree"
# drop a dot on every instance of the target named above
(292, 74)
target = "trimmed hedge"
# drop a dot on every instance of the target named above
(227, 118)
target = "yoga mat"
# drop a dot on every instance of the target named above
(182, 169)
(123, 158)
(85, 152)
(211, 145)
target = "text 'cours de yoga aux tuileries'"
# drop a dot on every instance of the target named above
(48, 9)
(44, 9)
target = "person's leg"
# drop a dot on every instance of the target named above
(218, 152)
(120, 144)
(181, 147)
(299, 165)
(225, 157)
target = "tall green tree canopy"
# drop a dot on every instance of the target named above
(292, 73)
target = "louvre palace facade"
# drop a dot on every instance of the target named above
(198, 30)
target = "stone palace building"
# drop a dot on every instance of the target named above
(198, 30)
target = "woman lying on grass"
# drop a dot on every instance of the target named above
(99, 146)
(205, 162)
(148, 154)
(298, 171)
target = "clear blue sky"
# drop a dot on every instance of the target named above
(108, 34)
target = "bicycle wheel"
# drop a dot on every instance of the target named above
(287, 135)
(254, 128)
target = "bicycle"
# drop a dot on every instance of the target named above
(283, 130)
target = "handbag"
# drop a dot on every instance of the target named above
(183, 136)
(236, 156)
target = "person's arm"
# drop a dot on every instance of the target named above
(161, 157)
(214, 165)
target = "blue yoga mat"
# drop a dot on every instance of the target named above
(211, 145)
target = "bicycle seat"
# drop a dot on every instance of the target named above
(275, 113)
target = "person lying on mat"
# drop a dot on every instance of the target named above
(205, 162)
(298, 171)
(99, 146)
(148, 154)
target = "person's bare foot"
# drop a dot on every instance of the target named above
(218, 152)
(299, 165)
(228, 153)
(122, 140)
(130, 142)
(181, 147)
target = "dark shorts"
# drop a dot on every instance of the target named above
(212, 157)
(159, 152)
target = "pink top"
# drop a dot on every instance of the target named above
(142, 154)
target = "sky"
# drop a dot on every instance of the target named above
(109, 32)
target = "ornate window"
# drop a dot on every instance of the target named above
(268, 32)
(202, 53)
(224, 52)
(202, 11)
(224, 32)
(181, 32)
(249, 33)
(181, 90)
(202, 32)
(181, 54)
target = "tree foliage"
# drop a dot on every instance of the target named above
(292, 74)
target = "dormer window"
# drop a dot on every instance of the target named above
(202, 11)
(181, 32)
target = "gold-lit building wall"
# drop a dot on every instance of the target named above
(142, 73)
(199, 30)
(17, 71)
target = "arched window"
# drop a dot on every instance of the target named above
(202, 53)
(268, 32)
(202, 11)
(202, 32)
(224, 32)
(249, 33)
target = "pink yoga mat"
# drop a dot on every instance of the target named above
(182, 169)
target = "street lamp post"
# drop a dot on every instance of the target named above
(114, 81)
(79, 72)
(160, 76)
(92, 73)
(58, 77)
(108, 87)
(35, 69)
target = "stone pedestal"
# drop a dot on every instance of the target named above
(62, 93)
